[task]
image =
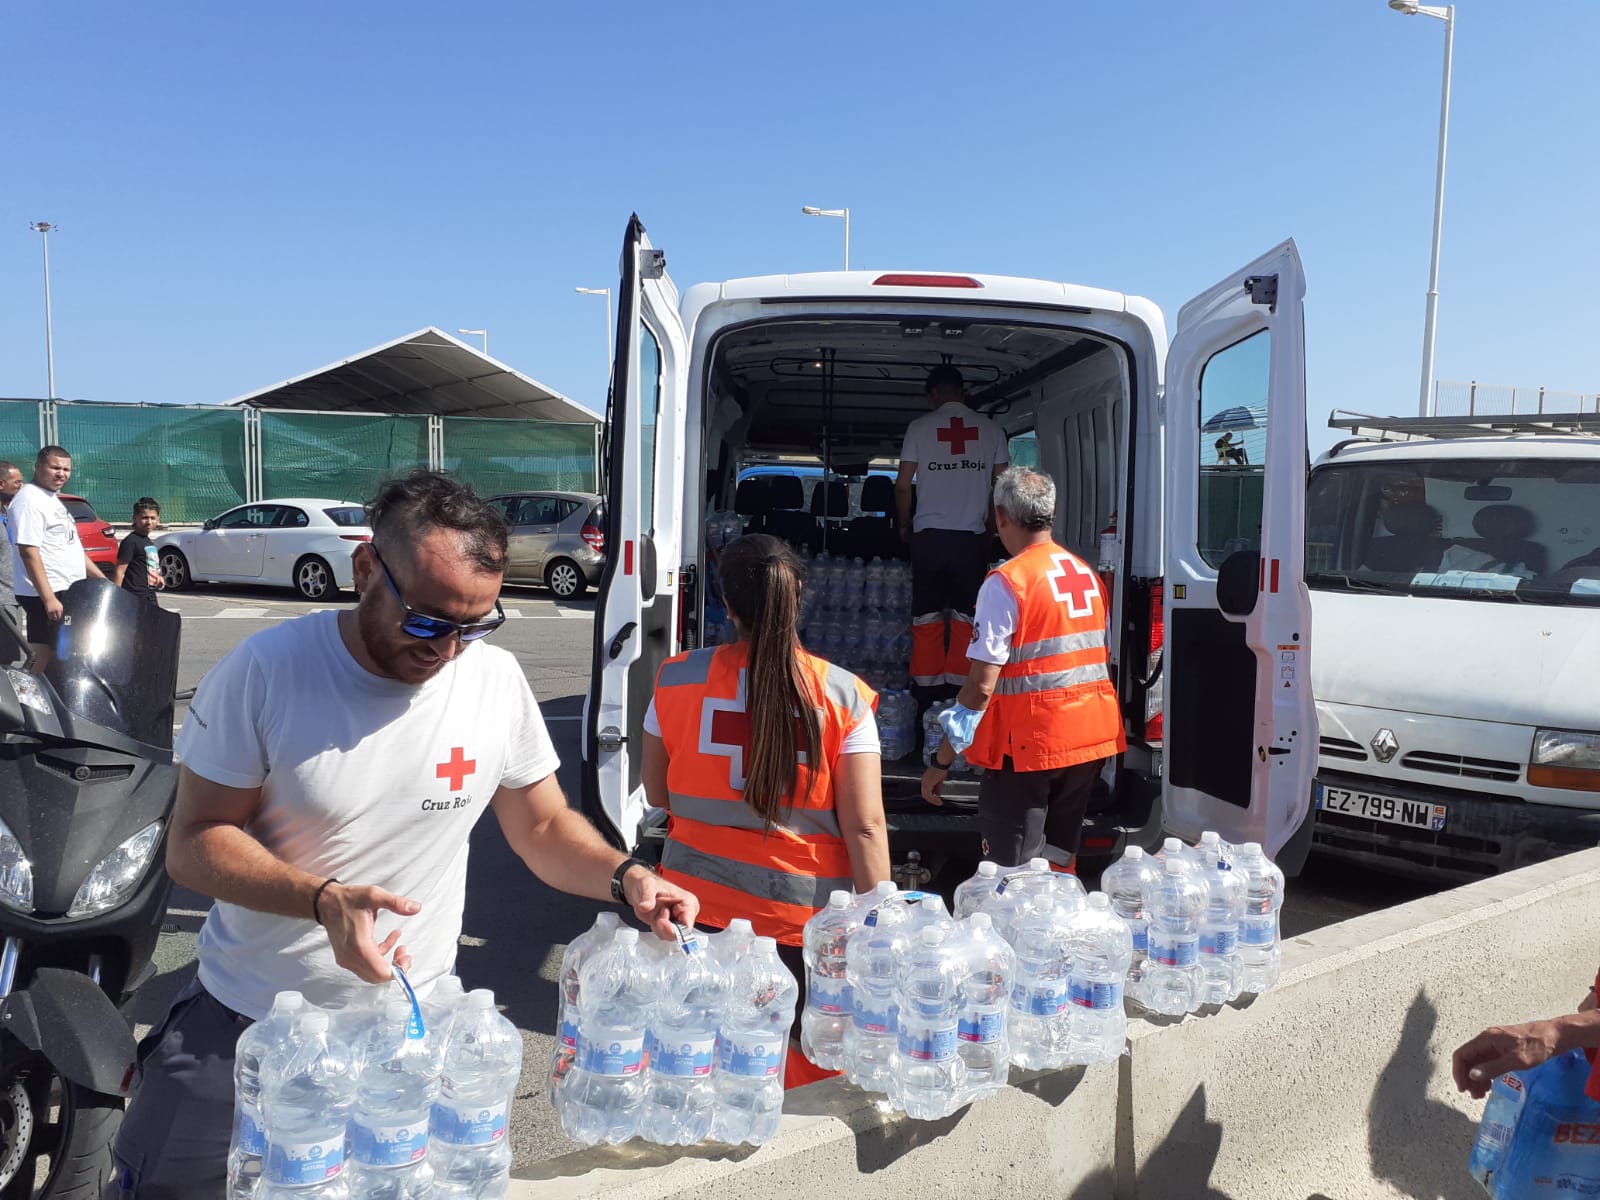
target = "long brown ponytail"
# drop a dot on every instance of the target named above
(761, 584)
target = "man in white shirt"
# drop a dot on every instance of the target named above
(10, 485)
(50, 558)
(333, 768)
(954, 455)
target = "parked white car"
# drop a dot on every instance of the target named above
(298, 543)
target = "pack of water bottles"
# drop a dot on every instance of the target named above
(674, 1042)
(858, 614)
(933, 737)
(386, 1099)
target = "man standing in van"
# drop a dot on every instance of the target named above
(953, 456)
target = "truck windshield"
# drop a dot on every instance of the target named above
(1514, 530)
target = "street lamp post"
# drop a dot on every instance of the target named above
(44, 229)
(1430, 322)
(483, 333)
(606, 292)
(812, 211)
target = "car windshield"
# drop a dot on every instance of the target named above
(1513, 530)
(349, 515)
(80, 510)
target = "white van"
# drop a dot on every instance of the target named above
(1195, 454)
(1455, 573)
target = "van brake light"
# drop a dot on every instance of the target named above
(930, 281)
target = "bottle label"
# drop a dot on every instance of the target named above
(1219, 943)
(389, 1145)
(982, 1028)
(685, 1057)
(252, 1138)
(569, 1026)
(1141, 937)
(758, 1058)
(1173, 952)
(928, 1045)
(299, 1163)
(828, 994)
(617, 1056)
(475, 1125)
(870, 1018)
(1102, 997)
(1046, 999)
(1259, 930)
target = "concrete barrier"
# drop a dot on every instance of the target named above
(1334, 1084)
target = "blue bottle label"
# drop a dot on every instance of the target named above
(1141, 938)
(871, 1017)
(389, 1145)
(757, 1058)
(1102, 997)
(982, 1028)
(569, 1026)
(615, 1056)
(300, 1163)
(1047, 999)
(1173, 952)
(828, 994)
(468, 1125)
(687, 1058)
(928, 1045)
(1219, 942)
(1259, 931)
(252, 1138)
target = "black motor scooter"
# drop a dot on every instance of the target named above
(87, 785)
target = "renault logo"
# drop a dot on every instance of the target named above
(1385, 745)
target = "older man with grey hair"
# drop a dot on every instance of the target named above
(1037, 711)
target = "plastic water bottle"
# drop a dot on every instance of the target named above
(971, 892)
(396, 1082)
(932, 734)
(753, 1047)
(1211, 848)
(731, 944)
(1101, 949)
(439, 1015)
(249, 1144)
(1219, 934)
(981, 1036)
(871, 958)
(1499, 1122)
(566, 1047)
(308, 1090)
(1041, 1005)
(1125, 882)
(929, 1075)
(827, 1011)
(469, 1149)
(1259, 950)
(1174, 905)
(679, 1088)
(1018, 886)
(601, 1098)
(364, 1010)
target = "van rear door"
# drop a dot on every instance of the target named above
(1240, 720)
(636, 619)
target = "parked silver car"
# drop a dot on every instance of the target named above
(557, 539)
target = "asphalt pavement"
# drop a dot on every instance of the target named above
(515, 928)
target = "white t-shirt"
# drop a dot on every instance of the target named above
(364, 778)
(994, 620)
(956, 451)
(863, 739)
(38, 518)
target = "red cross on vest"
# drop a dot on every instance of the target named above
(456, 768)
(1074, 584)
(725, 732)
(957, 434)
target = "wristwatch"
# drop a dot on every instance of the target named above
(623, 868)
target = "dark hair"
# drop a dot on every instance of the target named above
(405, 509)
(943, 377)
(146, 504)
(50, 452)
(761, 585)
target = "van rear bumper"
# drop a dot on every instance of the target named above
(1483, 834)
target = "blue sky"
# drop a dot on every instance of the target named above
(248, 192)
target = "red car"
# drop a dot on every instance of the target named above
(94, 533)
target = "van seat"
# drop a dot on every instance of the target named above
(830, 503)
(1503, 531)
(873, 534)
(1412, 544)
(753, 501)
(788, 519)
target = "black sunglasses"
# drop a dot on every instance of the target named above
(429, 629)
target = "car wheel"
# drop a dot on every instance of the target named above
(565, 579)
(313, 578)
(175, 570)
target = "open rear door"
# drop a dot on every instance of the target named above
(635, 626)
(1240, 720)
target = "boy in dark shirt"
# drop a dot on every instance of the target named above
(137, 568)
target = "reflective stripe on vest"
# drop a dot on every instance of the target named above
(1089, 639)
(784, 887)
(1051, 681)
(736, 814)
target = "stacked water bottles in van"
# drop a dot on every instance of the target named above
(674, 1042)
(858, 614)
(382, 1100)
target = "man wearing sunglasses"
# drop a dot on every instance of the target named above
(332, 770)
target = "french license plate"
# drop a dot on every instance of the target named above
(1415, 814)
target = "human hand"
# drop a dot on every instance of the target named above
(658, 903)
(53, 608)
(932, 781)
(1478, 1063)
(1588, 1003)
(349, 915)
(157, 580)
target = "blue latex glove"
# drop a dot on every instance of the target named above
(960, 725)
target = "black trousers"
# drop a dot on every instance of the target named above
(1019, 812)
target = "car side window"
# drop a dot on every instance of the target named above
(239, 518)
(291, 518)
(568, 507)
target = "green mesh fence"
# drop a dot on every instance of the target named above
(337, 456)
(492, 455)
(19, 433)
(190, 459)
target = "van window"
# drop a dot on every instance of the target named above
(1233, 443)
(649, 409)
(1023, 451)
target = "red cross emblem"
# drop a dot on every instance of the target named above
(1073, 583)
(957, 435)
(456, 768)
(725, 732)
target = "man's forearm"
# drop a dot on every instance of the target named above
(567, 853)
(224, 862)
(33, 565)
(902, 506)
(1578, 1031)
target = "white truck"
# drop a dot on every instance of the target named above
(1180, 470)
(1454, 565)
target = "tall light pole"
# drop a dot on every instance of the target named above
(483, 333)
(812, 211)
(44, 229)
(1448, 15)
(606, 292)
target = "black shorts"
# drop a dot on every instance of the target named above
(41, 629)
(947, 569)
(1020, 811)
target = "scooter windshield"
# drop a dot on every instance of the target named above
(116, 661)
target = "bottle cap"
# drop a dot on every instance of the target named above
(886, 887)
(988, 869)
(981, 921)
(1250, 848)
(608, 920)
(1038, 864)
(626, 937)
(1172, 846)
(289, 1001)
(314, 1020)
(1174, 867)
(839, 898)
(932, 935)
(1099, 900)
(1134, 852)
(479, 998)
(740, 925)
(766, 945)
(1210, 838)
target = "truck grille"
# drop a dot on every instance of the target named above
(1462, 767)
(1343, 748)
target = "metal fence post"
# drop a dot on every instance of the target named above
(435, 443)
(1472, 398)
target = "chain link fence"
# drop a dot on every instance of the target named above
(1474, 399)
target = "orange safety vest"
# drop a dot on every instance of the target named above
(1053, 705)
(715, 844)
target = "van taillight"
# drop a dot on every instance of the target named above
(1153, 724)
(945, 281)
(595, 537)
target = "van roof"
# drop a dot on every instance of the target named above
(915, 285)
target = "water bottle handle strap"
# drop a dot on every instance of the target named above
(415, 1029)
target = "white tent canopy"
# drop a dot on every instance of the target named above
(426, 372)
